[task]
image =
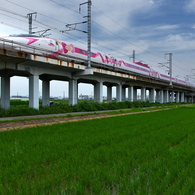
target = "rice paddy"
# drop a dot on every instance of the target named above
(150, 153)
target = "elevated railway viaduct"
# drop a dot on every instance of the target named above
(34, 67)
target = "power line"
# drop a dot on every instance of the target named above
(9, 11)
(78, 39)
(118, 24)
(55, 29)
(13, 17)
(130, 33)
(122, 37)
(109, 30)
(83, 43)
(94, 22)
(13, 26)
(65, 6)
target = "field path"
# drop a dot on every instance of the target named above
(13, 125)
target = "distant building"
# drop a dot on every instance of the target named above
(85, 97)
(56, 98)
(19, 97)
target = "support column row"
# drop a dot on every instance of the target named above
(162, 96)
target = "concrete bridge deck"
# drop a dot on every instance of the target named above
(35, 67)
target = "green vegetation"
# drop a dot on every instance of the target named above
(20, 108)
(150, 153)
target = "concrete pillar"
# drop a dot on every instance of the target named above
(109, 94)
(157, 96)
(161, 96)
(5, 92)
(34, 91)
(134, 94)
(182, 97)
(166, 96)
(119, 93)
(185, 99)
(45, 93)
(172, 96)
(177, 97)
(152, 95)
(73, 92)
(123, 94)
(130, 93)
(189, 99)
(0, 86)
(143, 94)
(98, 92)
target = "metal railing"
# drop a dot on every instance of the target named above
(16, 46)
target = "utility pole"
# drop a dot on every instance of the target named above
(170, 66)
(89, 33)
(133, 56)
(187, 77)
(89, 3)
(88, 30)
(30, 21)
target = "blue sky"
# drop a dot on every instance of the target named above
(150, 27)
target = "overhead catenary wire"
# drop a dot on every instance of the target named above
(105, 28)
(121, 26)
(58, 30)
(13, 26)
(79, 38)
(55, 29)
(92, 21)
(132, 34)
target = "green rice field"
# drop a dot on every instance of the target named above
(147, 154)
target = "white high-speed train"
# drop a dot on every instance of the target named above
(53, 48)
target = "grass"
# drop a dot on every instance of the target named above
(85, 113)
(20, 108)
(151, 153)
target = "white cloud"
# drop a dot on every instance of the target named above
(120, 11)
(190, 6)
(151, 2)
(156, 3)
(167, 27)
(173, 38)
(176, 42)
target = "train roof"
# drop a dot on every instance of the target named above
(23, 35)
(141, 64)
